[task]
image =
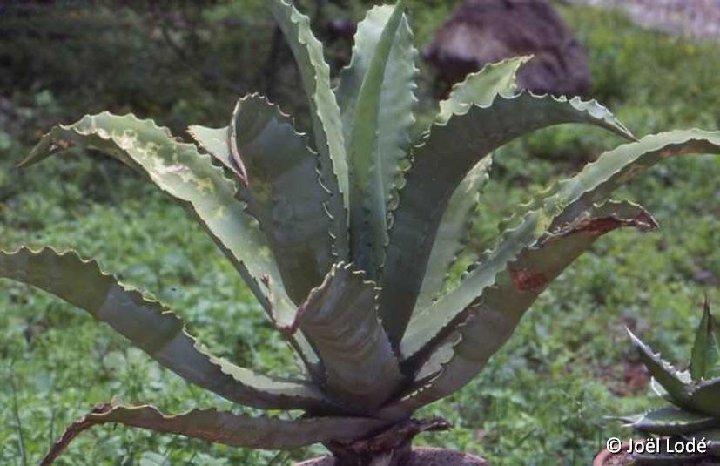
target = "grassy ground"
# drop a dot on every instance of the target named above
(541, 400)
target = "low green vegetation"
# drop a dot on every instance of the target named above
(542, 398)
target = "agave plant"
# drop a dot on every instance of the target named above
(694, 395)
(346, 239)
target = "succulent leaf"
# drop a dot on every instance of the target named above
(284, 193)
(705, 396)
(452, 232)
(223, 427)
(704, 359)
(574, 196)
(216, 142)
(673, 421)
(664, 373)
(313, 229)
(153, 328)
(698, 389)
(324, 110)
(620, 165)
(340, 320)
(519, 266)
(193, 181)
(376, 96)
(488, 322)
(481, 87)
(449, 152)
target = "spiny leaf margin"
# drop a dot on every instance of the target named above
(153, 328)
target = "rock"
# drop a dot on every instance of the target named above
(487, 31)
(421, 457)
(699, 19)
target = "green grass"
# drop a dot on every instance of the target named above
(541, 400)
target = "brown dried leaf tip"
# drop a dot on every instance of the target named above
(72, 431)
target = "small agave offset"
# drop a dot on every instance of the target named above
(694, 395)
(346, 238)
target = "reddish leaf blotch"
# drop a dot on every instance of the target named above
(527, 280)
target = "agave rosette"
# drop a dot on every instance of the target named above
(346, 237)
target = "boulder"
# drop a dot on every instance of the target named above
(487, 31)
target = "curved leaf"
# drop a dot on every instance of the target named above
(620, 165)
(450, 151)
(223, 427)
(597, 179)
(340, 320)
(664, 373)
(705, 397)
(153, 328)
(481, 87)
(488, 322)
(216, 142)
(191, 179)
(522, 262)
(284, 193)
(573, 197)
(324, 111)
(376, 98)
(454, 226)
(673, 421)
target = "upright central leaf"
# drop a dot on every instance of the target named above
(324, 110)
(376, 98)
(705, 351)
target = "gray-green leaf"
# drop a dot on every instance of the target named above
(324, 110)
(285, 194)
(223, 427)
(340, 320)
(673, 421)
(704, 359)
(664, 373)
(153, 328)
(449, 152)
(488, 322)
(192, 180)
(481, 88)
(376, 96)
(454, 227)
(216, 142)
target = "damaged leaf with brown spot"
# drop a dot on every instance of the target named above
(346, 237)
